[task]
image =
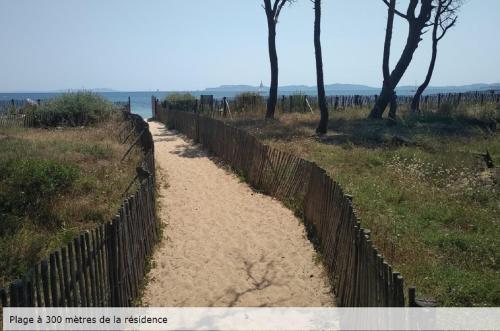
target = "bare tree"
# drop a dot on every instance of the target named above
(445, 17)
(272, 13)
(323, 122)
(416, 23)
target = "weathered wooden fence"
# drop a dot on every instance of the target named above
(17, 117)
(104, 266)
(13, 104)
(304, 103)
(16, 120)
(360, 275)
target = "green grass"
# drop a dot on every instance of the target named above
(432, 204)
(56, 183)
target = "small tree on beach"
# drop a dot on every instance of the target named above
(445, 17)
(272, 13)
(323, 122)
(417, 24)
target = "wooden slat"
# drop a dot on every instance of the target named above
(45, 283)
(79, 273)
(66, 278)
(53, 281)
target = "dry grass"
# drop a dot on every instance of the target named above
(93, 196)
(427, 195)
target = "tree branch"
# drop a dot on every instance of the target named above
(410, 13)
(279, 5)
(397, 12)
(446, 28)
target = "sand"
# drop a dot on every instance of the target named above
(223, 244)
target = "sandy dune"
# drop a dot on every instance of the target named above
(223, 244)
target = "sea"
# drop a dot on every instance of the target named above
(140, 102)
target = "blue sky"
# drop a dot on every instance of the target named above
(193, 44)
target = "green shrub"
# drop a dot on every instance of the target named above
(249, 100)
(296, 102)
(73, 109)
(181, 101)
(27, 188)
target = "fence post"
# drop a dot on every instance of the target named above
(112, 262)
(153, 106)
(224, 113)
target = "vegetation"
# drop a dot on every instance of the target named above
(249, 101)
(72, 109)
(56, 183)
(421, 184)
(181, 101)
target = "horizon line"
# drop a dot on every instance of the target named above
(111, 90)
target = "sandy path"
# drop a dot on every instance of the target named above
(225, 245)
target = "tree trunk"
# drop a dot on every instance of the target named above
(389, 86)
(416, 25)
(415, 103)
(273, 58)
(382, 101)
(388, 39)
(384, 97)
(393, 107)
(323, 122)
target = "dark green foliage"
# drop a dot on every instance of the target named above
(181, 101)
(295, 102)
(72, 109)
(249, 101)
(27, 187)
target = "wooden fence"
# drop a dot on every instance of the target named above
(15, 117)
(304, 103)
(16, 120)
(15, 104)
(360, 275)
(104, 266)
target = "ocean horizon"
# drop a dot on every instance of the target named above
(141, 100)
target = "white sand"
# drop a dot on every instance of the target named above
(223, 244)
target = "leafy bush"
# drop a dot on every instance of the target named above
(27, 188)
(296, 102)
(73, 109)
(249, 100)
(181, 101)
